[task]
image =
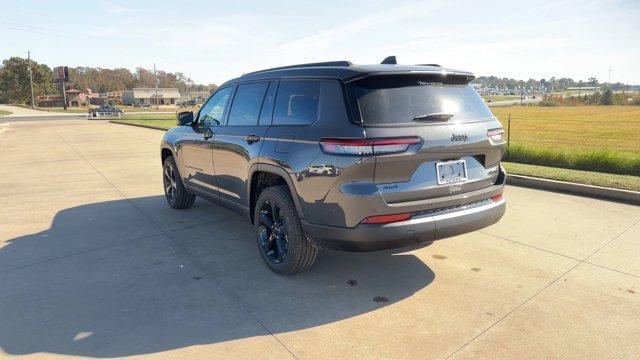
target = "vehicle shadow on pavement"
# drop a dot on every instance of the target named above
(132, 277)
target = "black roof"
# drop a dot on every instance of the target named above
(345, 71)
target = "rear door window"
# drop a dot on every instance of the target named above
(405, 99)
(296, 102)
(247, 103)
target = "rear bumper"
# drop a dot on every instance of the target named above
(421, 228)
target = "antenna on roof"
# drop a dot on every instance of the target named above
(389, 60)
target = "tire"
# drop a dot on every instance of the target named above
(174, 192)
(286, 232)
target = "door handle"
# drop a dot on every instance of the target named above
(207, 134)
(252, 138)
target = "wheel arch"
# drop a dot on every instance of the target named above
(254, 189)
(165, 152)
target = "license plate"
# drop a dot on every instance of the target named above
(450, 172)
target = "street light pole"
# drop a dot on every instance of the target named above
(156, 74)
(33, 105)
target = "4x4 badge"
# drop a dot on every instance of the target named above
(461, 137)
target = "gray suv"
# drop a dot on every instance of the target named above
(340, 156)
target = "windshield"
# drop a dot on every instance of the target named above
(410, 99)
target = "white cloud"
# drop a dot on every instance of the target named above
(117, 8)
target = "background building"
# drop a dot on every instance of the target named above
(166, 96)
(74, 98)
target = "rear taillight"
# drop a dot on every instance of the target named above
(496, 197)
(386, 219)
(496, 135)
(367, 146)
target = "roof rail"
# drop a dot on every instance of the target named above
(436, 65)
(317, 64)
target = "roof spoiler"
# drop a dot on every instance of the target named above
(389, 60)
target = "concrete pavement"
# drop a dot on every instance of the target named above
(21, 111)
(93, 263)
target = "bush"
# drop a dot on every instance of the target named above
(606, 98)
(596, 160)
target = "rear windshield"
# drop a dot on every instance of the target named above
(399, 99)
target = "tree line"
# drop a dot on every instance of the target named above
(551, 84)
(14, 80)
(607, 97)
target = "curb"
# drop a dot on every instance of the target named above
(138, 125)
(598, 192)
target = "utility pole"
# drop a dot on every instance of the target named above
(64, 95)
(156, 73)
(33, 103)
(521, 92)
(609, 81)
(579, 87)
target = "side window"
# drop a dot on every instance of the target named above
(247, 103)
(296, 102)
(212, 112)
(267, 104)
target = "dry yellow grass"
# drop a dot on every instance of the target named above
(615, 128)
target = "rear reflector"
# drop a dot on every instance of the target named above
(385, 219)
(497, 197)
(496, 134)
(367, 146)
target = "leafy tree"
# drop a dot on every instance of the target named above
(14, 80)
(606, 98)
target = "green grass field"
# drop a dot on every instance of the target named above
(159, 120)
(615, 128)
(3, 112)
(593, 138)
(626, 182)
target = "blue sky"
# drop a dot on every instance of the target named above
(212, 41)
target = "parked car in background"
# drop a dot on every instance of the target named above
(341, 156)
(142, 105)
(187, 103)
(105, 110)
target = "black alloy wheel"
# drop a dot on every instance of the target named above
(273, 232)
(170, 186)
(279, 236)
(177, 196)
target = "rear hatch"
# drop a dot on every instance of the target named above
(460, 139)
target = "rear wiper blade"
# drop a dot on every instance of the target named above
(433, 116)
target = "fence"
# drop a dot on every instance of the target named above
(611, 146)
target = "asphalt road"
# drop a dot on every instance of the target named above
(21, 118)
(93, 263)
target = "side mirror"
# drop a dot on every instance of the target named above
(185, 118)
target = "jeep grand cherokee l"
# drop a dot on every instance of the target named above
(341, 156)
